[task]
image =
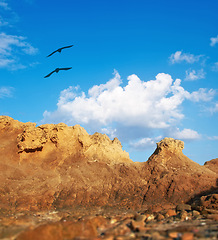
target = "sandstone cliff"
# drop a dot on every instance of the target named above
(56, 166)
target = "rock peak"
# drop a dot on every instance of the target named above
(170, 144)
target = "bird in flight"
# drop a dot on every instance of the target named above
(57, 70)
(59, 50)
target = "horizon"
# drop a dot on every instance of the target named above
(141, 71)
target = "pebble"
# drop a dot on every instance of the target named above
(167, 224)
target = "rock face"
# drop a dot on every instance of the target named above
(56, 166)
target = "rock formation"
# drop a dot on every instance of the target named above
(212, 165)
(177, 176)
(54, 166)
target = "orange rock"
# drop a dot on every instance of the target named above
(44, 232)
(56, 166)
(187, 236)
(173, 234)
(136, 225)
(171, 213)
(60, 231)
(160, 217)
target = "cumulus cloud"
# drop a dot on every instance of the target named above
(179, 57)
(131, 111)
(138, 103)
(10, 47)
(213, 41)
(6, 92)
(192, 75)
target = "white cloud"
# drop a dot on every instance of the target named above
(13, 47)
(179, 57)
(112, 133)
(185, 134)
(213, 138)
(6, 92)
(139, 105)
(214, 108)
(174, 132)
(109, 86)
(10, 47)
(150, 142)
(192, 75)
(201, 95)
(7, 42)
(144, 143)
(213, 41)
(5, 62)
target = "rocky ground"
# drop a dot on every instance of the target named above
(59, 182)
(198, 220)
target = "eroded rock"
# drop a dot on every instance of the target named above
(54, 166)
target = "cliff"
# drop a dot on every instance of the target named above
(57, 166)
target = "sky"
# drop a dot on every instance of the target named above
(141, 70)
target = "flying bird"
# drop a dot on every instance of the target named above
(59, 50)
(57, 70)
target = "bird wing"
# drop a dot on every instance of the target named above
(52, 53)
(65, 68)
(67, 46)
(59, 50)
(49, 74)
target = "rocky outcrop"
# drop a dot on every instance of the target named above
(212, 165)
(168, 156)
(54, 166)
(173, 176)
(64, 140)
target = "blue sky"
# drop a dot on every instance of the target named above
(141, 70)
